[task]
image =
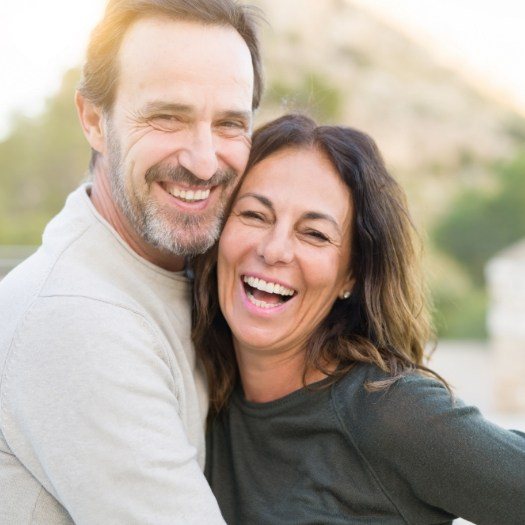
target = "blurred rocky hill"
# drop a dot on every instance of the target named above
(437, 133)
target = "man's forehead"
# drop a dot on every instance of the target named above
(161, 40)
(187, 60)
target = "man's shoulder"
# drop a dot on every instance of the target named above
(73, 269)
(63, 298)
(57, 326)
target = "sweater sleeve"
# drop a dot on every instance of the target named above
(91, 407)
(426, 447)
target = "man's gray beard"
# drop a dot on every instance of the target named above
(163, 227)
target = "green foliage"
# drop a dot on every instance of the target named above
(461, 316)
(482, 224)
(40, 163)
(313, 95)
(478, 227)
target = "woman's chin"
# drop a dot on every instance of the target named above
(265, 341)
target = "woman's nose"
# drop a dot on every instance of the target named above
(276, 247)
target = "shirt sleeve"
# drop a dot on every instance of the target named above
(91, 408)
(422, 442)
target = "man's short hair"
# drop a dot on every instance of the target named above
(100, 72)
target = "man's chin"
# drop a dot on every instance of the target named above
(182, 244)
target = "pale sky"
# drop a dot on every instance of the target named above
(485, 39)
(39, 41)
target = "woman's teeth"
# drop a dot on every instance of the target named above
(190, 195)
(267, 287)
(261, 304)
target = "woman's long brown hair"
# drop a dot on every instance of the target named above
(385, 321)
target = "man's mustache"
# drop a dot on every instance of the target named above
(179, 174)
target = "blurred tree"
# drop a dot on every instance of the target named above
(460, 316)
(313, 94)
(481, 224)
(41, 161)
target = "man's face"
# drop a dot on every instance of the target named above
(178, 132)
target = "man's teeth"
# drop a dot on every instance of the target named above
(190, 195)
(268, 287)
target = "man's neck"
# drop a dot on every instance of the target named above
(102, 200)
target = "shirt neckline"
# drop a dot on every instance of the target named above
(293, 399)
(86, 201)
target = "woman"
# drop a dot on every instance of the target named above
(322, 411)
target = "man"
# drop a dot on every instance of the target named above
(102, 405)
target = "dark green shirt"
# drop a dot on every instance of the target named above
(409, 454)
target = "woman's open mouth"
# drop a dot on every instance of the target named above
(266, 294)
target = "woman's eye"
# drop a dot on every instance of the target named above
(317, 235)
(250, 214)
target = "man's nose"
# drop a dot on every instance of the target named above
(276, 247)
(199, 154)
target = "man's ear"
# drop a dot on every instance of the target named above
(92, 122)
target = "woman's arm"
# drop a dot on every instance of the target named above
(427, 448)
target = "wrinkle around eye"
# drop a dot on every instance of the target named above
(166, 124)
(251, 217)
(138, 132)
(240, 135)
(319, 239)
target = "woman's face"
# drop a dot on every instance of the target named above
(284, 252)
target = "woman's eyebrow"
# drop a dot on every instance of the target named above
(265, 201)
(316, 215)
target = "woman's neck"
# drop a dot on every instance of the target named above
(267, 377)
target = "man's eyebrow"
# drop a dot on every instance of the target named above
(159, 105)
(244, 115)
(318, 216)
(261, 198)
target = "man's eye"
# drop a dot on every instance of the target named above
(232, 127)
(169, 118)
(233, 124)
(168, 122)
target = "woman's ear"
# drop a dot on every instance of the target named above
(346, 288)
(92, 122)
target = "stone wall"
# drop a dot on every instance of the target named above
(506, 324)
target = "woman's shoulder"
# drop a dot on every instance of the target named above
(366, 381)
(368, 403)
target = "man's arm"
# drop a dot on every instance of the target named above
(91, 408)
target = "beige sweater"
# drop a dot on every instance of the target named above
(101, 406)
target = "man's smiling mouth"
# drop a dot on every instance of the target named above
(186, 194)
(189, 195)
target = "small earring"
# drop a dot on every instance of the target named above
(346, 295)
